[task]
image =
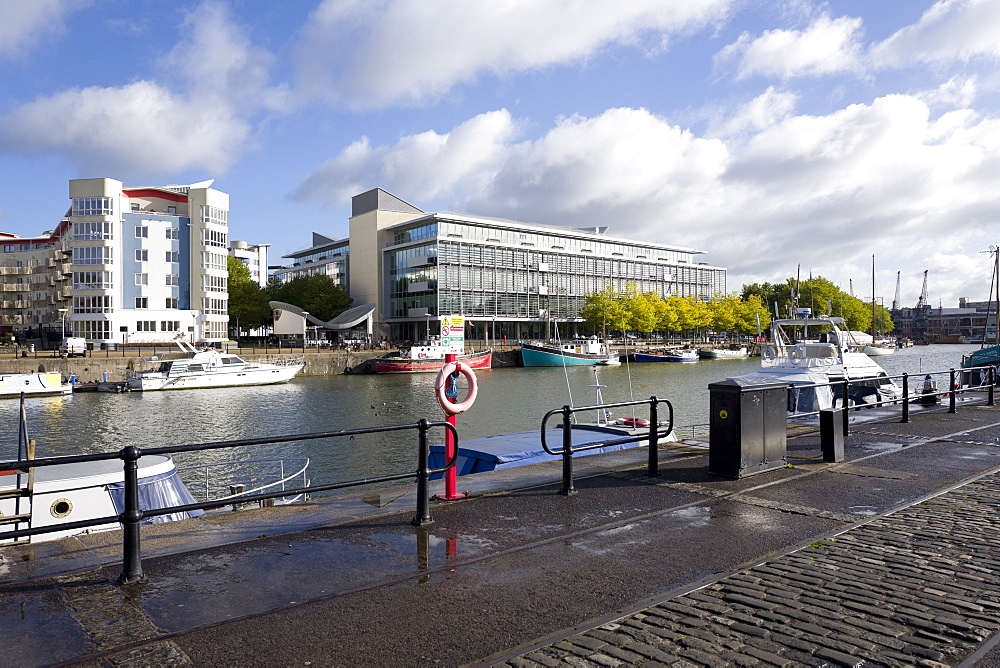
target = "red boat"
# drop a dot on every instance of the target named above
(428, 357)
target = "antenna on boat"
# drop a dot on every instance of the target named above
(602, 418)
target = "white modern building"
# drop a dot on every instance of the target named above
(508, 278)
(254, 256)
(128, 265)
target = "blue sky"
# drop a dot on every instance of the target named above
(769, 133)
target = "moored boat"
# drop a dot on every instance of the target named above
(576, 352)
(733, 352)
(428, 357)
(209, 368)
(809, 350)
(40, 384)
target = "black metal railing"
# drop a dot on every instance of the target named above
(132, 514)
(567, 451)
(985, 375)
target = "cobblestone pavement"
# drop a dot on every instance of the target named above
(918, 587)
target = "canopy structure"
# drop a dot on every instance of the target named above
(290, 319)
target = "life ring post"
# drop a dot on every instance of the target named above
(452, 407)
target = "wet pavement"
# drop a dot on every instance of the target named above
(886, 558)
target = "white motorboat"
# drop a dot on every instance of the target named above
(41, 384)
(47, 496)
(809, 350)
(209, 368)
(729, 352)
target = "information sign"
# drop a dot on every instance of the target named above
(453, 334)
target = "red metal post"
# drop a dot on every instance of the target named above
(451, 475)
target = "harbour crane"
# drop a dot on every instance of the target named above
(922, 301)
(920, 313)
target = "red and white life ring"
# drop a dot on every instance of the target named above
(442, 380)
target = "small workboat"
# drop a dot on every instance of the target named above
(730, 352)
(13, 385)
(576, 352)
(428, 357)
(209, 367)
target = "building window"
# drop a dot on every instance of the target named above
(170, 326)
(214, 238)
(173, 279)
(171, 302)
(92, 206)
(135, 206)
(172, 233)
(92, 231)
(141, 255)
(173, 256)
(92, 329)
(92, 255)
(142, 302)
(141, 232)
(172, 210)
(97, 304)
(91, 280)
(145, 326)
(142, 279)
(214, 283)
(213, 214)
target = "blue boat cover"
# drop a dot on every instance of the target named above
(506, 450)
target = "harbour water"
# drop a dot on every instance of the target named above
(510, 400)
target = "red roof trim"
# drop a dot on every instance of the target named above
(159, 194)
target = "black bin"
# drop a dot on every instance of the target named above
(747, 427)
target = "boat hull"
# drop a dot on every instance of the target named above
(724, 353)
(12, 385)
(536, 356)
(690, 356)
(478, 361)
(263, 375)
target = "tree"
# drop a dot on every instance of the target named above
(248, 307)
(317, 294)
(598, 308)
(752, 310)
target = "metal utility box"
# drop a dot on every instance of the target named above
(747, 427)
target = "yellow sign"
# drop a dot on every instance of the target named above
(453, 334)
(723, 414)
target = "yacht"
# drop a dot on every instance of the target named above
(209, 368)
(808, 350)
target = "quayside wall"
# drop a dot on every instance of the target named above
(96, 364)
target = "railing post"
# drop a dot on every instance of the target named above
(992, 378)
(847, 416)
(906, 398)
(654, 429)
(567, 454)
(130, 518)
(423, 516)
(951, 392)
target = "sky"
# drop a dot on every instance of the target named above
(779, 136)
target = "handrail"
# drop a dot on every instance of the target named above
(131, 515)
(304, 461)
(567, 450)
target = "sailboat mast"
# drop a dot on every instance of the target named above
(873, 299)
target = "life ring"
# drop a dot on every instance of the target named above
(795, 354)
(442, 380)
(767, 353)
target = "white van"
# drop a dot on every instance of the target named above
(72, 345)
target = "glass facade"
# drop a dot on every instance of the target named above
(479, 270)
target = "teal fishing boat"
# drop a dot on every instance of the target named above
(577, 352)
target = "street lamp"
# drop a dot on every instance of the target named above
(62, 314)
(305, 328)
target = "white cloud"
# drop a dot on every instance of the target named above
(762, 112)
(26, 22)
(951, 30)
(129, 131)
(826, 46)
(367, 53)
(824, 191)
(145, 127)
(433, 164)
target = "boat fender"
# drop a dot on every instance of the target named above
(442, 381)
(767, 353)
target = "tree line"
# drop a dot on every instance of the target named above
(824, 298)
(632, 311)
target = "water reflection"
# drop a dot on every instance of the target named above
(510, 400)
